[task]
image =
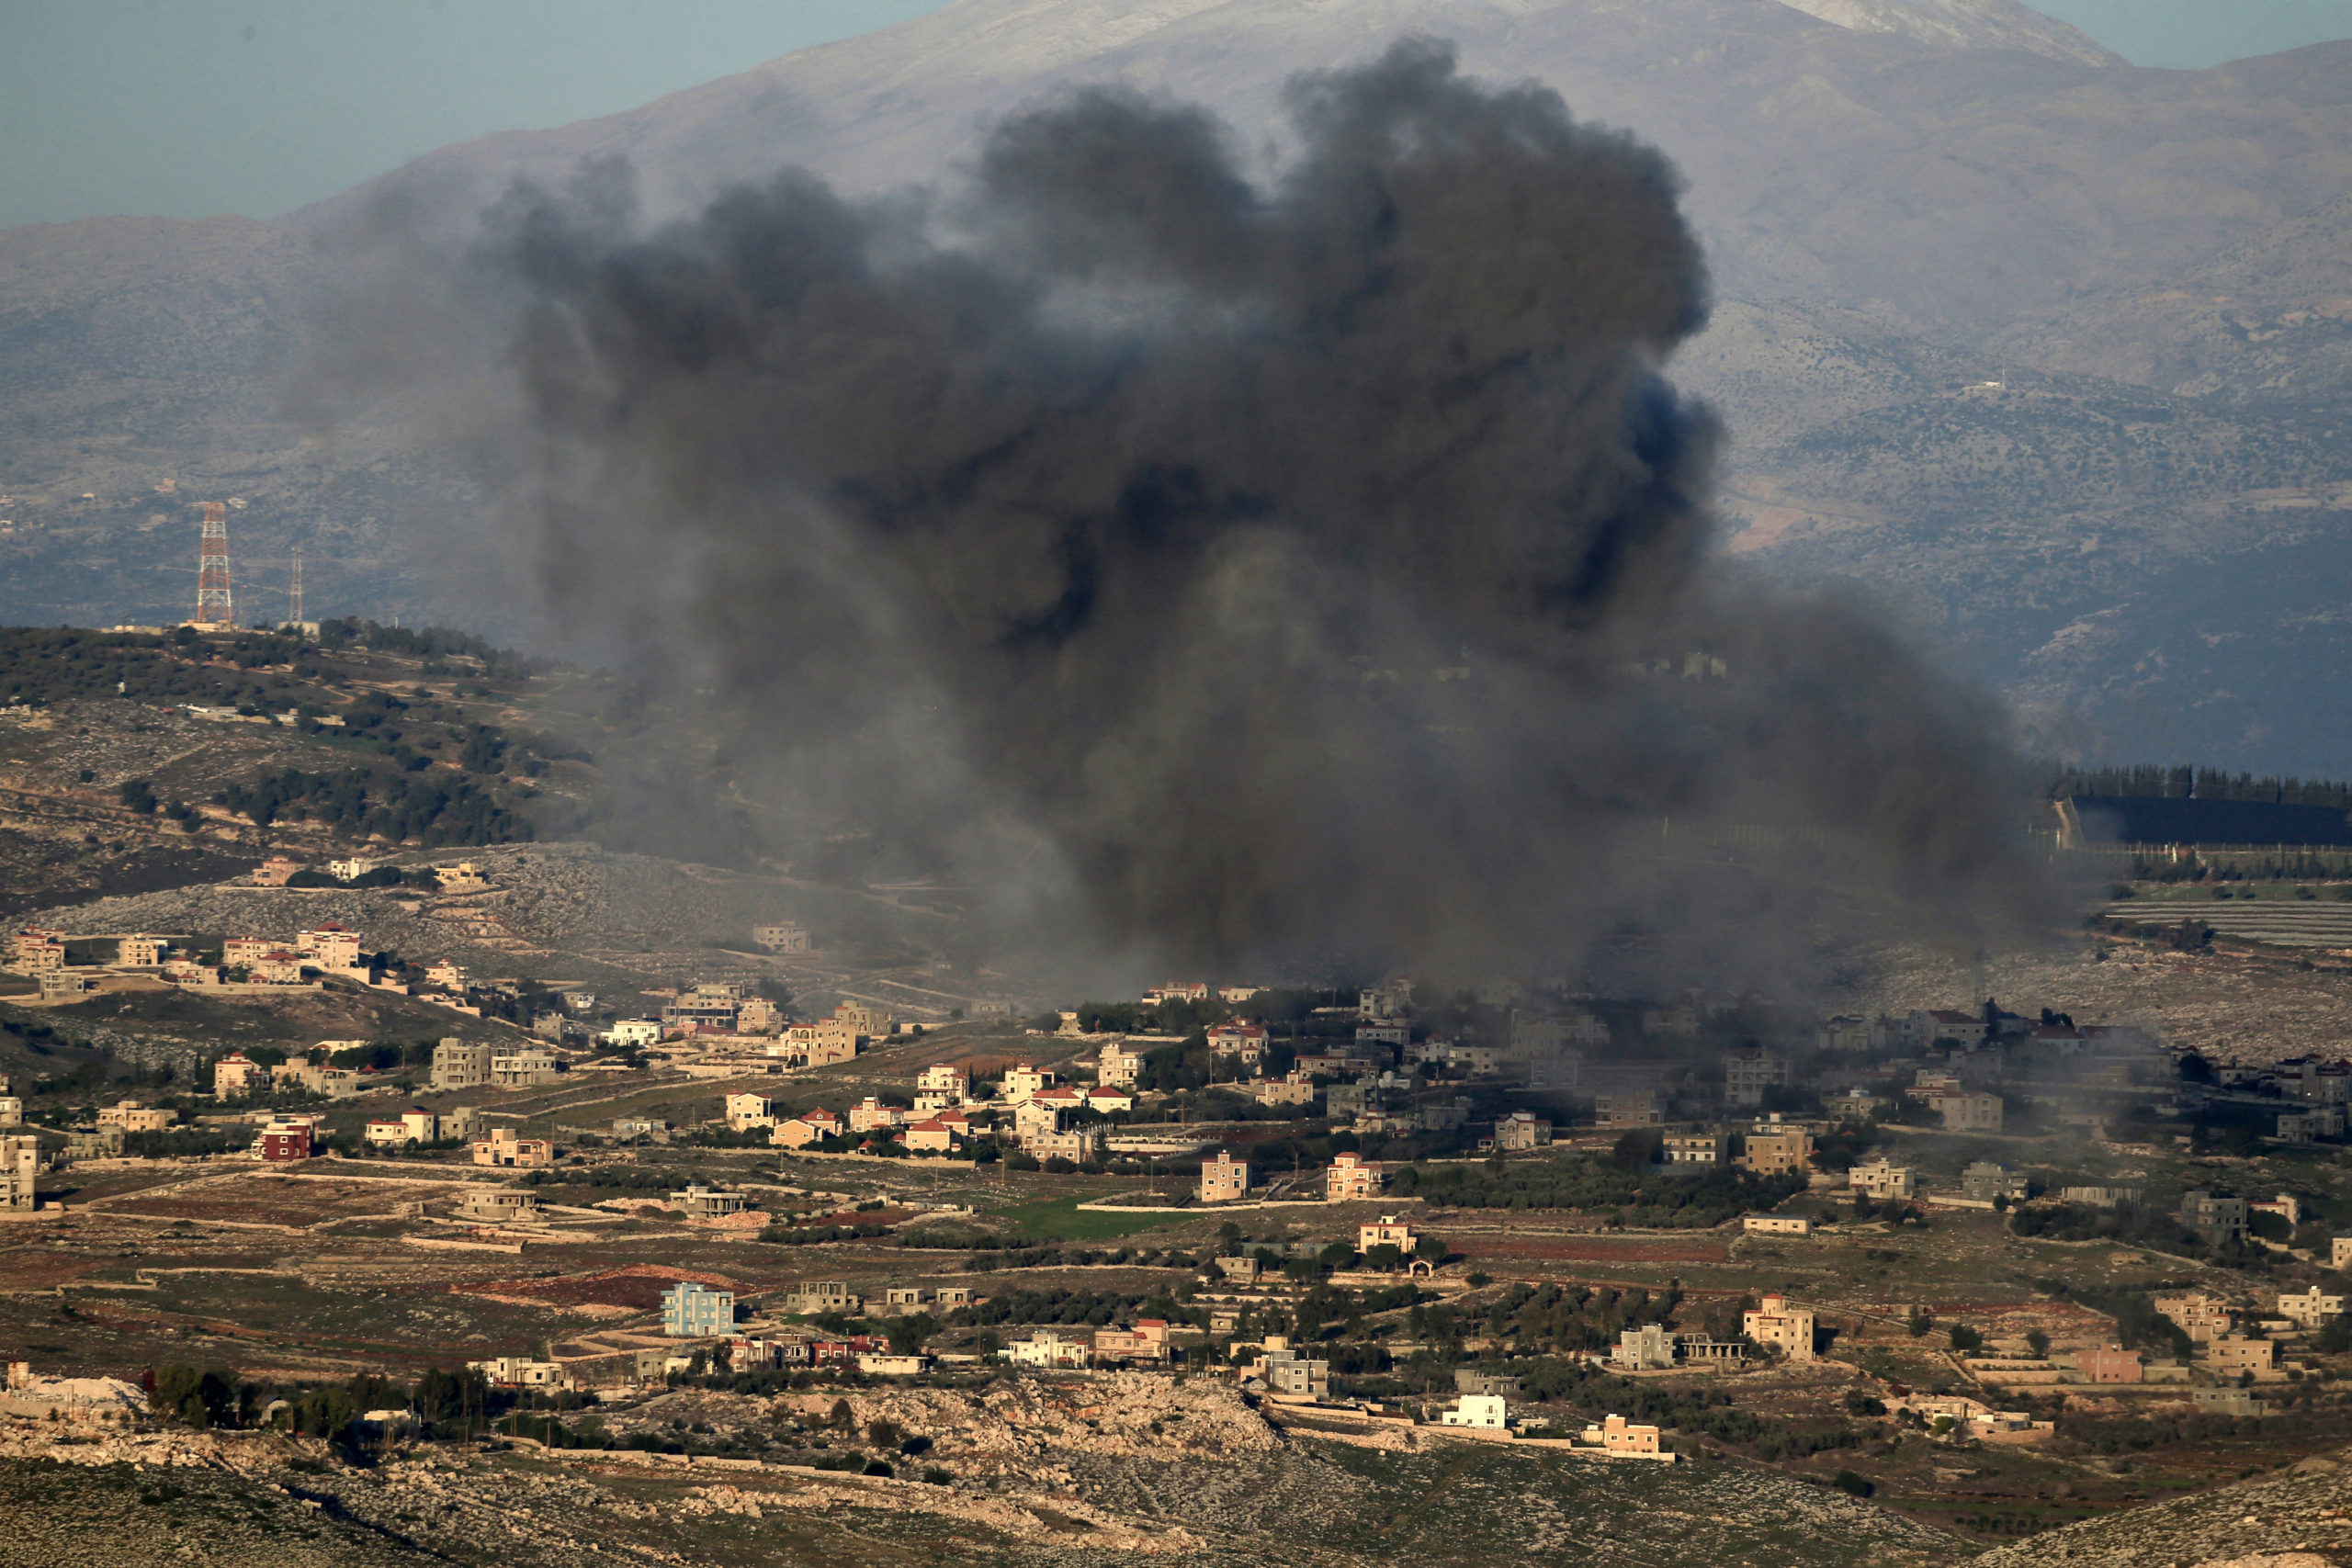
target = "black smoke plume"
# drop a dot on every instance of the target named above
(1226, 568)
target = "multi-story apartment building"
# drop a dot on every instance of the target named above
(1773, 1149)
(19, 1168)
(1749, 1072)
(1691, 1149)
(458, 1064)
(692, 1311)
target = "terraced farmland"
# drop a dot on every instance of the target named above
(2281, 922)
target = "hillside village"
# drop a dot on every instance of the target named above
(462, 1107)
(2000, 1269)
(348, 1124)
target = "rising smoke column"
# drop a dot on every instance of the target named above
(1238, 570)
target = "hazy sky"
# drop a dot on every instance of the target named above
(185, 109)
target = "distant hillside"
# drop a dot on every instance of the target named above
(1965, 24)
(2131, 529)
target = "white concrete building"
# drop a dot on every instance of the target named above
(1486, 1410)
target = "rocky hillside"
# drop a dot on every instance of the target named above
(1021, 1472)
(2301, 1519)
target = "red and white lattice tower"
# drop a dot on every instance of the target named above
(212, 605)
(294, 598)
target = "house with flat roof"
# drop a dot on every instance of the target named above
(523, 1068)
(459, 1064)
(819, 1296)
(1882, 1180)
(1749, 1072)
(2235, 1355)
(2202, 1317)
(1989, 1181)
(1118, 1065)
(1048, 1350)
(694, 1310)
(702, 1203)
(1619, 1438)
(2311, 1308)
(747, 1111)
(782, 936)
(1973, 1112)
(140, 951)
(521, 1371)
(497, 1205)
(1288, 1372)
(1778, 1323)
(284, 1142)
(2105, 1364)
(19, 1170)
(2219, 1220)
(505, 1146)
(1146, 1341)
(133, 1117)
(1482, 1410)
(1777, 1152)
(1632, 1107)
(1776, 1224)
(1023, 1080)
(1691, 1149)
(1649, 1347)
(952, 1080)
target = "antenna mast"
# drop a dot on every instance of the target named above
(295, 597)
(212, 602)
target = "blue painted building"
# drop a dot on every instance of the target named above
(693, 1311)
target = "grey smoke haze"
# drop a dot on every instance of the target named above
(1228, 569)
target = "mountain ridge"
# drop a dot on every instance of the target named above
(1968, 24)
(1889, 218)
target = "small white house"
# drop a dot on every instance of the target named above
(1477, 1410)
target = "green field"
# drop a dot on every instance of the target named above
(1063, 1220)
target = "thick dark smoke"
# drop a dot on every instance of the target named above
(1231, 570)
